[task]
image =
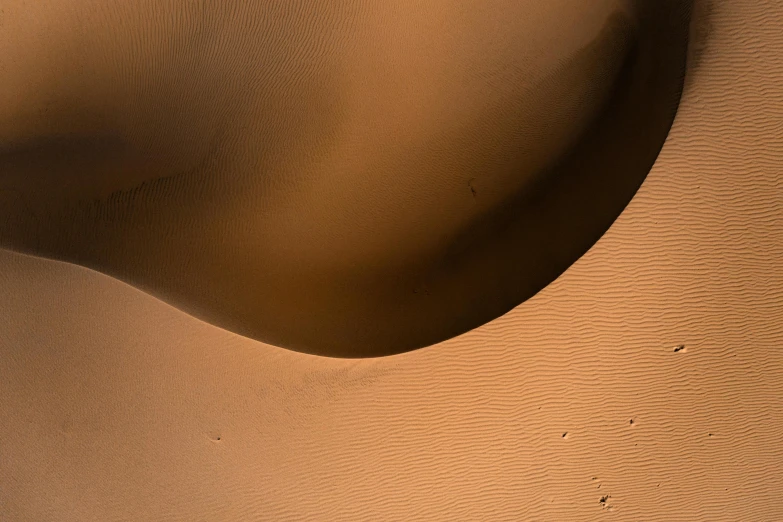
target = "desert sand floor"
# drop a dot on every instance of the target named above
(646, 383)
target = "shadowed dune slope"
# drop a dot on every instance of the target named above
(344, 178)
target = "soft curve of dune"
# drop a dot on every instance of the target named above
(350, 178)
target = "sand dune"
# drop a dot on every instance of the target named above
(117, 406)
(340, 178)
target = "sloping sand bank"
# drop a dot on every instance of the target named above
(346, 178)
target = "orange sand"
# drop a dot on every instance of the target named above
(116, 406)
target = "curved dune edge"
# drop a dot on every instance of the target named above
(112, 407)
(370, 282)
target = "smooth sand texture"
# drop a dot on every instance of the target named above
(112, 402)
(350, 178)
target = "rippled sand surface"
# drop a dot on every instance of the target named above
(645, 383)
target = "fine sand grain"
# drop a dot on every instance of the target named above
(645, 383)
